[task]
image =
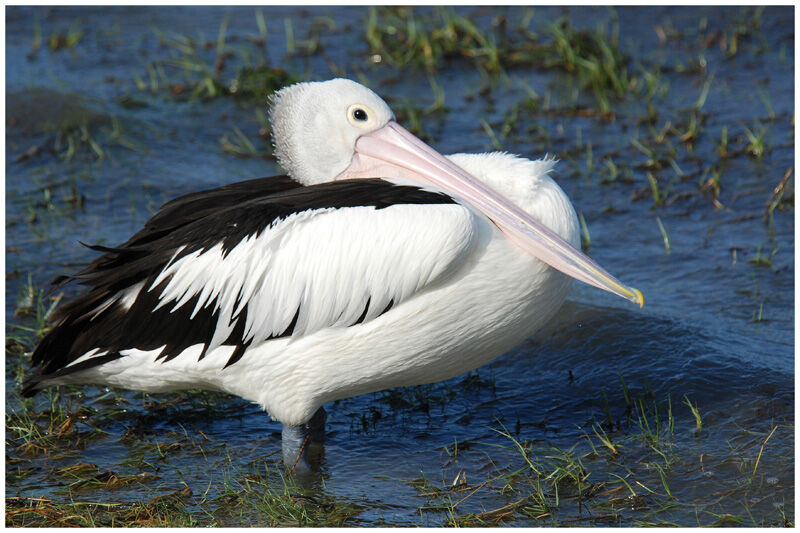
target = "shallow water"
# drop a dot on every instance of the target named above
(717, 327)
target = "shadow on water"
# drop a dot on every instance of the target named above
(672, 355)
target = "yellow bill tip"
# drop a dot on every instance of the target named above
(638, 297)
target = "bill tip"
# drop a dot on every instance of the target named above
(638, 297)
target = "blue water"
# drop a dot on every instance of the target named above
(716, 328)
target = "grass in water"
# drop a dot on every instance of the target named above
(206, 70)
(428, 38)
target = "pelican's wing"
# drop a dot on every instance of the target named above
(287, 264)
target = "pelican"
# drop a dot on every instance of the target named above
(376, 263)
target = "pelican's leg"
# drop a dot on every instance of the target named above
(296, 440)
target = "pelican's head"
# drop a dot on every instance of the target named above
(339, 129)
(315, 126)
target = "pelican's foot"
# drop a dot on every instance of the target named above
(302, 445)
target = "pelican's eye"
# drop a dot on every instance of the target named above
(360, 115)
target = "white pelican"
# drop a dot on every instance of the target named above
(376, 263)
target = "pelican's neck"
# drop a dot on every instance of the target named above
(528, 184)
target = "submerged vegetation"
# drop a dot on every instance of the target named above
(68, 127)
(653, 132)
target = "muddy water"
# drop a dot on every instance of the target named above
(717, 327)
